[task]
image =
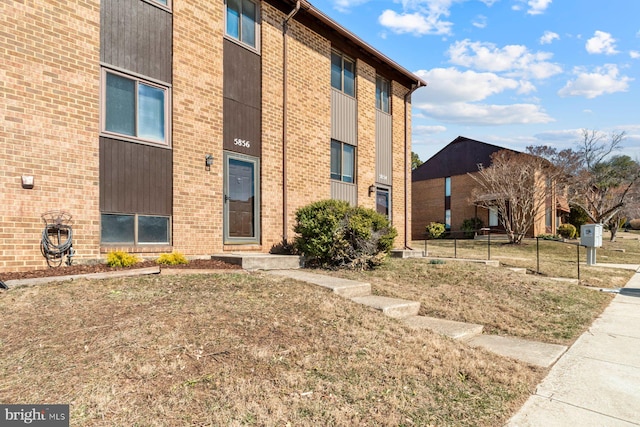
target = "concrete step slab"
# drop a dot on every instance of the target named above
(258, 261)
(343, 287)
(449, 328)
(406, 253)
(518, 270)
(392, 307)
(532, 352)
(103, 275)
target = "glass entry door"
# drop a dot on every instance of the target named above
(241, 199)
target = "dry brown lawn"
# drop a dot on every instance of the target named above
(242, 349)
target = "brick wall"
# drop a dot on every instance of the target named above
(401, 169)
(198, 29)
(49, 112)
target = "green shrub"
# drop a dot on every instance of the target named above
(568, 231)
(121, 259)
(435, 230)
(634, 224)
(437, 261)
(578, 217)
(548, 236)
(174, 258)
(331, 233)
(470, 226)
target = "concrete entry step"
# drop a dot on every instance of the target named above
(392, 307)
(406, 253)
(343, 287)
(259, 261)
(519, 270)
(449, 328)
(534, 353)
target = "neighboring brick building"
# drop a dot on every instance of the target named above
(441, 191)
(190, 125)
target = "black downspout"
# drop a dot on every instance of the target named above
(285, 27)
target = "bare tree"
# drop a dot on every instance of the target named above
(517, 185)
(602, 184)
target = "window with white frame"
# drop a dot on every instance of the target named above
(242, 21)
(447, 187)
(343, 161)
(343, 74)
(383, 97)
(135, 108)
(133, 229)
(493, 217)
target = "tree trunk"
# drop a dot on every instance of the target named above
(613, 228)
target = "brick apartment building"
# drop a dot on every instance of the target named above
(190, 125)
(442, 186)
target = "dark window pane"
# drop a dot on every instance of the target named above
(348, 162)
(120, 105)
(336, 71)
(151, 112)
(249, 23)
(117, 228)
(349, 78)
(153, 229)
(336, 160)
(382, 202)
(233, 18)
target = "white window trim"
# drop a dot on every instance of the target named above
(147, 81)
(378, 76)
(355, 162)
(160, 5)
(258, 26)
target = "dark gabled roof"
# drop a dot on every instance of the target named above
(460, 156)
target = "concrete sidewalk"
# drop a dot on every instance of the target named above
(597, 381)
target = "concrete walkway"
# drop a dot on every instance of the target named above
(535, 353)
(597, 381)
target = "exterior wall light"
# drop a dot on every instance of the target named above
(208, 161)
(372, 189)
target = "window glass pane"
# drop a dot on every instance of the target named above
(385, 96)
(447, 186)
(336, 71)
(249, 23)
(336, 160)
(348, 162)
(382, 202)
(493, 217)
(349, 78)
(233, 18)
(120, 105)
(150, 112)
(447, 219)
(153, 229)
(116, 228)
(164, 2)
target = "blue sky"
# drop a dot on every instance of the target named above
(509, 72)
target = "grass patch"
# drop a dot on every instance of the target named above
(506, 303)
(243, 349)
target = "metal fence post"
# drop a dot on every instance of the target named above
(578, 247)
(489, 245)
(455, 247)
(538, 255)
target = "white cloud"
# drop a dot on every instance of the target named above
(345, 5)
(447, 85)
(414, 23)
(604, 80)
(548, 37)
(601, 42)
(486, 114)
(513, 59)
(428, 130)
(537, 7)
(453, 96)
(634, 54)
(480, 21)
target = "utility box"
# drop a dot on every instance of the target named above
(591, 235)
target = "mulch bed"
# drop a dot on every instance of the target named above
(64, 270)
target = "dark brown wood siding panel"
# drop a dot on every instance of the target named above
(136, 36)
(242, 130)
(135, 178)
(242, 72)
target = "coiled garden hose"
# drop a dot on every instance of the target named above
(57, 241)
